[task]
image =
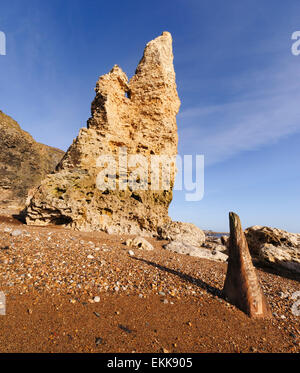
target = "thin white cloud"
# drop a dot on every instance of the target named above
(261, 117)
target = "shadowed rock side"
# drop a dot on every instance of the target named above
(139, 115)
(23, 163)
(241, 286)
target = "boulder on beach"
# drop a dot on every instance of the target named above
(274, 247)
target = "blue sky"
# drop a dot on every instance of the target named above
(237, 79)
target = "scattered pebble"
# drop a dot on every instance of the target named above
(16, 233)
(98, 341)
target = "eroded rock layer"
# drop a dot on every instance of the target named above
(136, 117)
(23, 163)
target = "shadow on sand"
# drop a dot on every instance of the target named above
(195, 281)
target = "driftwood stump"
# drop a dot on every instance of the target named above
(242, 287)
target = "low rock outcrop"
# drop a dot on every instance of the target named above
(188, 239)
(275, 247)
(136, 116)
(241, 286)
(199, 252)
(23, 163)
(188, 233)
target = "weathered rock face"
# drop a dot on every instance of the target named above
(275, 247)
(139, 115)
(23, 163)
(241, 286)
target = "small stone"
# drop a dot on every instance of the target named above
(125, 329)
(283, 295)
(97, 314)
(90, 256)
(98, 341)
(29, 311)
(130, 252)
(165, 301)
(16, 233)
(116, 288)
(162, 293)
(97, 299)
(72, 301)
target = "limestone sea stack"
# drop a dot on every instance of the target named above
(136, 117)
(242, 287)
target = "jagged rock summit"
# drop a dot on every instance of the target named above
(23, 163)
(136, 117)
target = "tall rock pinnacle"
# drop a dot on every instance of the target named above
(136, 117)
(241, 286)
